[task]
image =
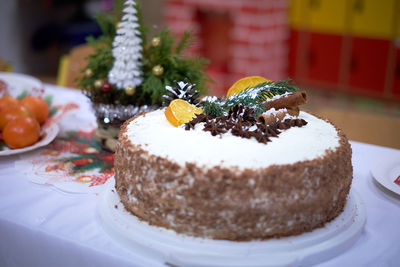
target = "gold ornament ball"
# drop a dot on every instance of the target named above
(158, 70)
(98, 84)
(118, 25)
(88, 72)
(130, 90)
(156, 41)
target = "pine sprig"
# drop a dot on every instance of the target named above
(214, 108)
(270, 89)
(185, 42)
(107, 24)
(252, 97)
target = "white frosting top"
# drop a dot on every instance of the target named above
(160, 138)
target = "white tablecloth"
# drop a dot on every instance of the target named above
(41, 226)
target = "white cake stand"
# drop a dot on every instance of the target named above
(181, 250)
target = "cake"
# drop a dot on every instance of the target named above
(227, 185)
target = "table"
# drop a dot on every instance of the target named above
(42, 226)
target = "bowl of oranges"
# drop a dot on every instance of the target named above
(22, 124)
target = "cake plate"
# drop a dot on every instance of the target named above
(166, 246)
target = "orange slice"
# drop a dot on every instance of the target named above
(245, 83)
(179, 112)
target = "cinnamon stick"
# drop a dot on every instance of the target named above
(268, 119)
(288, 102)
(293, 111)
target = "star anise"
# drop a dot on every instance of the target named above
(300, 122)
(190, 125)
(203, 118)
(272, 130)
(246, 134)
(240, 125)
(239, 121)
(283, 125)
(221, 119)
(238, 130)
(261, 127)
(262, 138)
(214, 128)
(229, 124)
(199, 118)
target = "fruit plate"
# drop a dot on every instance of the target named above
(47, 135)
(166, 246)
(386, 171)
(18, 84)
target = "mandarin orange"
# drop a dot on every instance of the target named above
(21, 132)
(245, 83)
(179, 112)
(12, 113)
(7, 102)
(37, 106)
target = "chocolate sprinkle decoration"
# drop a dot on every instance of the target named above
(239, 121)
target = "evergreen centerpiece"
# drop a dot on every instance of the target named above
(127, 75)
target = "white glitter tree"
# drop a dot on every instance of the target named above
(127, 50)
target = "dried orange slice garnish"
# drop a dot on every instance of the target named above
(179, 112)
(245, 83)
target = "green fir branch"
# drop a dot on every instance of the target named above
(185, 42)
(107, 24)
(176, 67)
(270, 89)
(153, 86)
(254, 97)
(214, 108)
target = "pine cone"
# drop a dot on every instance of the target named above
(183, 90)
(242, 113)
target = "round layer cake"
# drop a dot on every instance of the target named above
(228, 187)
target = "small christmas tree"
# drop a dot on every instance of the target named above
(127, 48)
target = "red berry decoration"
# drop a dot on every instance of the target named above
(106, 87)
